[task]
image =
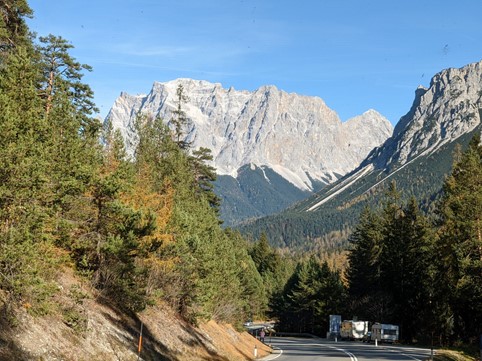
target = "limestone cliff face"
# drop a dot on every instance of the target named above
(298, 137)
(449, 108)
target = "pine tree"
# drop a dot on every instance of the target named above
(180, 119)
(73, 140)
(205, 175)
(269, 265)
(460, 245)
(311, 294)
(415, 267)
(13, 28)
(391, 274)
(253, 289)
(363, 273)
(62, 75)
(26, 254)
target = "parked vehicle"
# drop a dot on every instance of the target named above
(367, 337)
(353, 330)
(383, 332)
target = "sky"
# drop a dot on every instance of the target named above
(354, 54)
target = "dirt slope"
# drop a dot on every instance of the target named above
(89, 329)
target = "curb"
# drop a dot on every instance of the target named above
(275, 353)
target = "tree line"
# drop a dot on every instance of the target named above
(141, 229)
(424, 273)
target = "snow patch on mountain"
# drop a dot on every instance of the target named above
(343, 185)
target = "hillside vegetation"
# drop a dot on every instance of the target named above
(92, 328)
(448, 355)
(328, 227)
(136, 233)
(404, 268)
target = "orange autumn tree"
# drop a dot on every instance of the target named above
(154, 205)
(160, 177)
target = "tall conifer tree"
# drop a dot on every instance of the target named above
(460, 245)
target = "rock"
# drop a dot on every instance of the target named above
(297, 136)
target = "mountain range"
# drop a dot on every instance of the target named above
(270, 148)
(417, 157)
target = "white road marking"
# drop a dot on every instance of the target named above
(352, 356)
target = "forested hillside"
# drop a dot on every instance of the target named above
(328, 227)
(141, 231)
(424, 274)
(421, 273)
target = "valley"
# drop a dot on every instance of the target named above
(194, 212)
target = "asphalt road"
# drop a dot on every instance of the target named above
(299, 349)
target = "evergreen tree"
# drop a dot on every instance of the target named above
(180, 119)
(62, 76)
(27, 258)
(74, 151)
(13, 28)
(363, 273)
(391, 274)
(269, 265)
(309, 297)
(25, 253)
(411, 270)
(205, 175)
(253, 289)
(460, 242)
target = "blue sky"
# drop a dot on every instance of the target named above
(354, 54)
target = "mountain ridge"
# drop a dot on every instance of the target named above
(239, 128)
(417, 157)
(296, 137)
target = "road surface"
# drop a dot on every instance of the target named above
(305, 349)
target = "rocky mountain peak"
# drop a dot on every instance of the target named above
(447, 109)
(297, 136)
